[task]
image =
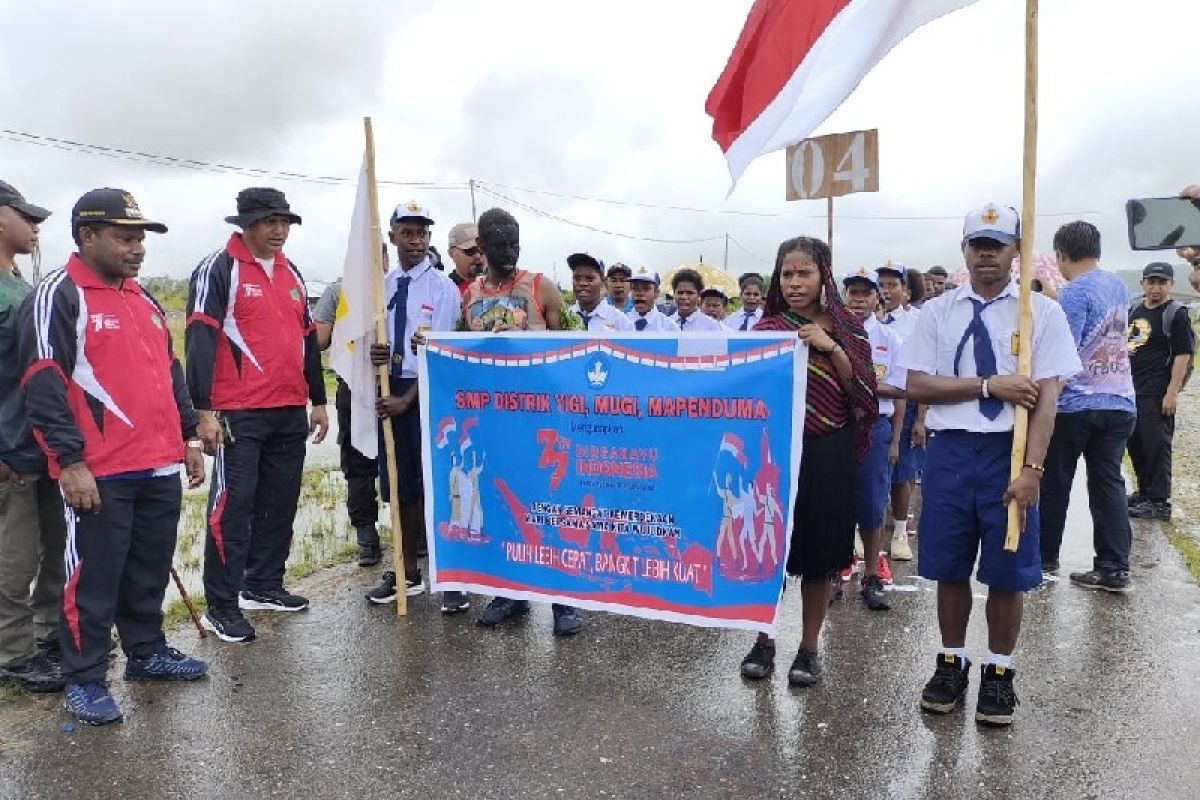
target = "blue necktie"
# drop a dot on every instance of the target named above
(399, 306)
(745, 322)
(985, 356)
(641, 323)
(587, 320)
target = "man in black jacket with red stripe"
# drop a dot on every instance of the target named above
(107, 403)
(253, 364)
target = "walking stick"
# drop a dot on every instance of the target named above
(187, 601)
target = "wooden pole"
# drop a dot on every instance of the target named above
(1028, 202)
(382, 335)
(829, 221)
(187, 602)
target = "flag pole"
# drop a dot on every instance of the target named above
(381, 335)
(1025, 323)
(829, 219)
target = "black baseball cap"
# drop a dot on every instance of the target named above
(111, 207)
(1159, 269)
(9, 196)
(585, 260)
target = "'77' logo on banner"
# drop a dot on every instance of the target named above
(556, 453)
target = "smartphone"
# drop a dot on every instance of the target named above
(1163, 223)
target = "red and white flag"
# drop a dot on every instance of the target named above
(444, 429)
(797, 60)
(732, 444)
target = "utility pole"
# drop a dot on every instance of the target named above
(471, 184)
(725, 261)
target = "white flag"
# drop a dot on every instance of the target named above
(354, 325)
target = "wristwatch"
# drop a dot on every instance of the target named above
(195, 444)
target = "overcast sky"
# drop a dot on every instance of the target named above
(603, 100)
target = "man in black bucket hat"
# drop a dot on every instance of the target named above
(253, 365)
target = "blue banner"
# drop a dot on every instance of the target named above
(651, 475)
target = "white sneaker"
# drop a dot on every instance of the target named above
(900, 549)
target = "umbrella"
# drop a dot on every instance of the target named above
(1045, 269)
(714, 277)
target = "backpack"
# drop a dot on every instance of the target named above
(1170, 310)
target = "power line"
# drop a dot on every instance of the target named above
(542, 213)
(627, 203)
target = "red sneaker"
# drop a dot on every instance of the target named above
(883, 569)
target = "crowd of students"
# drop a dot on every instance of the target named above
(908, 377)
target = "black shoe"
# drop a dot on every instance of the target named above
(1151, 509)
(500, 610)
(1049, 567)
(36, 674)
(759, 663)
(385, 592)
(873, 594)
(369, 550)
(1137, 498)
(948, 685)
(271, 600)
(51, 648)
(1113, 581)
(227, 624)
(806, 669)
(997, 697)
(567, 620)
(414, 584)
(454, 602)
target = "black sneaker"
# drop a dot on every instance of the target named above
(759, 663)
(873, 594)
(164, 664)
(369, 549)
(271, 600)
(1137, 498)
(227, 624)
(997, 697)
(454, 602)
(567, 620)
(1049, 567)
(385, 592)
(36, 674)
(948, 685)
(51, 648)
(1113, 581)
(500, 610)
(806, 669)
(1151, 509)
(414, 584)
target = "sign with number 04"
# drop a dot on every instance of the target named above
(833, 165)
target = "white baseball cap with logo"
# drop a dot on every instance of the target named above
(998, 223)
(644, 275)
(413, 209)
(862, 274)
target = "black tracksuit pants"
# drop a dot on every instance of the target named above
(118, 564)
(252, 502)
(362, 504)
(1150, 448)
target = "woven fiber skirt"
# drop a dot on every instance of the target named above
(823, 525)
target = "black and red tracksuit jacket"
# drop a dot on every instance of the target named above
(102, 383)
(251, 341)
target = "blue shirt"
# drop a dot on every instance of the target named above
(1097, 308)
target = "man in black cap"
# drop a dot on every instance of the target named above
(253, 364)
(32, 531)
(108, 405)
(1161, 345)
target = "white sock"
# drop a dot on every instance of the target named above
(999, 660)
(961, 652)
(901, 529)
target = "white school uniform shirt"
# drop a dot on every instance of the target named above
(902, 321)
(604, 318)
(935, 339)
(885, 357)
(427, 287)
(698, 322)
(655, 321)
(734, 320)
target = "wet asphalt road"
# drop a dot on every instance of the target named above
(346, 701)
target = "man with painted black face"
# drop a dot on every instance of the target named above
(107, 402)
(253, 365)
(508, 299)
(961, 362)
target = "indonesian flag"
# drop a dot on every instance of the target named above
(733, 445)
(444, 429)
(797, 60)
(464, 438)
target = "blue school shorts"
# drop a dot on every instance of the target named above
(871, 478)
(964, 519)
(912, 459)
